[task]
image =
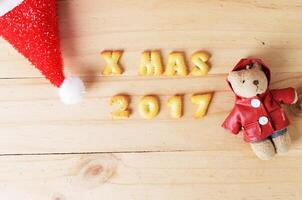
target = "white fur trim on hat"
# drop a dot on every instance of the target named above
(8, 5)
(72, 90)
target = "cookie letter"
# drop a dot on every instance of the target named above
(151, 63)
(112, 59)
(122, 104)
(200, 68)
(175, 105)
(148, 107)
(202, 100)
(176, 64)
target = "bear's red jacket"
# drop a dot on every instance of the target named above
(261, 115)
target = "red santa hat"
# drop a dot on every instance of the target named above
(30, 26)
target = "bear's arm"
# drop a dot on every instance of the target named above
(284, 96)
(233, 123)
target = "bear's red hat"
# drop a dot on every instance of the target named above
(249, 61)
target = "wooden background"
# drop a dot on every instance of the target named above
(55, 152)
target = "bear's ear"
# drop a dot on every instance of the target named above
(233, 76)
(257, 66)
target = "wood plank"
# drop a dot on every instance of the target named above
(174, 175)
(229, 30)
(101, 87)
(90, 63)
(116, 16)
(30, 108)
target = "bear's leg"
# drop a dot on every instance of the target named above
(281, 141)
(264, 149)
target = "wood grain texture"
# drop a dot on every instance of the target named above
(53, 127)
(184, 175)
(86, 155)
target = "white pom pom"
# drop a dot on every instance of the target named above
(72, 90)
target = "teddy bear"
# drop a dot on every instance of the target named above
(257, 110)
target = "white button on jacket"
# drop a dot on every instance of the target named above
(255, 103)
(263, 120)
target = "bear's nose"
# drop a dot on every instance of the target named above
(256, 82)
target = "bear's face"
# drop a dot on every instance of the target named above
(248, 82)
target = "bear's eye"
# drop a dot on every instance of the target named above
(243, 81)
